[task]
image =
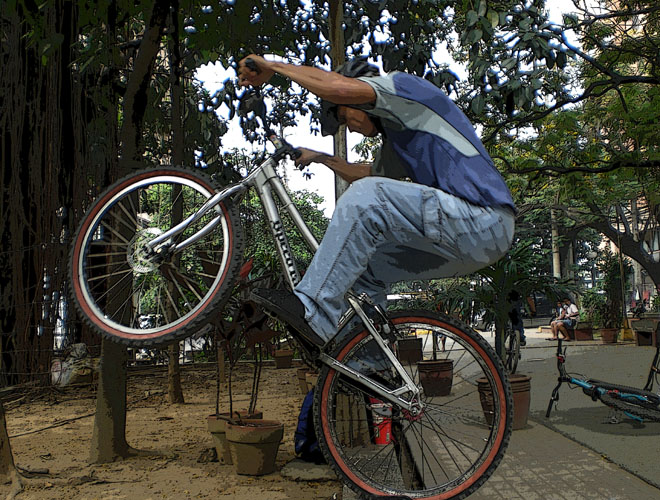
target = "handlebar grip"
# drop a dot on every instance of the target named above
(252, 66)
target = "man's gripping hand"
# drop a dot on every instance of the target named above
(308, 156)
(248, 76)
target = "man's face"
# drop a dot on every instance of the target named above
(356, 121)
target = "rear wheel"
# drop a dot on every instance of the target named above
(647, 409)
(141, 298)
(450, 447)
(512, 350)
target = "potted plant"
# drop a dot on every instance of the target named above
(244, 328)
(591, 306)
(610, 311)
(234, 347)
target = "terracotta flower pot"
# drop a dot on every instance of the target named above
(521, 387)
(283, 358)
(436, 376)
(217, 427)
(253, 445)
(609, 335)
(583, 331)
(409, 350)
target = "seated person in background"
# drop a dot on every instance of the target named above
(560, 316)
(569, 320)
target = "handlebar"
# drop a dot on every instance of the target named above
(252, 101)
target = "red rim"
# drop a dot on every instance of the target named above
(351, 475)
(78, 247)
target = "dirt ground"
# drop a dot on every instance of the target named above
(57, 457)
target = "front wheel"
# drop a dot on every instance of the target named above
(446, 450)
(137, 297)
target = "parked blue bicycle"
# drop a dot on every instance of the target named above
(638, 404)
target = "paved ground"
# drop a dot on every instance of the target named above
(574, 454)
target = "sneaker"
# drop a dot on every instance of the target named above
(285, 306)
(523, 342)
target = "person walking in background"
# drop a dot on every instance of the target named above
(515, 315)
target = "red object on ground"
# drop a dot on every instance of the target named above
(381, 414)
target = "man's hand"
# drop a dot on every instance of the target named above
(246, 76)
(308, 156)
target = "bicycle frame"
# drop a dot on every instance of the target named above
(265, 180)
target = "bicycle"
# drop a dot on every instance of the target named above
(157, 254)
(511, 348)
(638, 404)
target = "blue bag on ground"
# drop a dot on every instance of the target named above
(306, 443)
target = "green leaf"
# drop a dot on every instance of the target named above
(474, 36)
(472, 18)
(478, 104)
(510, 63)
(482, 7)
(561, 59)
(494, 18)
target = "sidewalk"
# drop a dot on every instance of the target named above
(574, 454)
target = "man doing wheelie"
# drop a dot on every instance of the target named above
(431, 205)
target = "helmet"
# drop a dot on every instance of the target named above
(354, 68)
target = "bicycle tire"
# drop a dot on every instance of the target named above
(431, 460)
(512, 350)
(646, 411)
(121, 291)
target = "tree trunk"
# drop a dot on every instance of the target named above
(8, 470)
(174, 391)
(556, 256)
(338, 57)
(630, 246)
(109, 433)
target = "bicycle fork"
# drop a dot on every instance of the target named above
(395, 396)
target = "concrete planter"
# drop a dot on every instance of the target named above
(646, 331)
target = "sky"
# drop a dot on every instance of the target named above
(322, 181)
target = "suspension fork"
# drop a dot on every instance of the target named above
(561, 359)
